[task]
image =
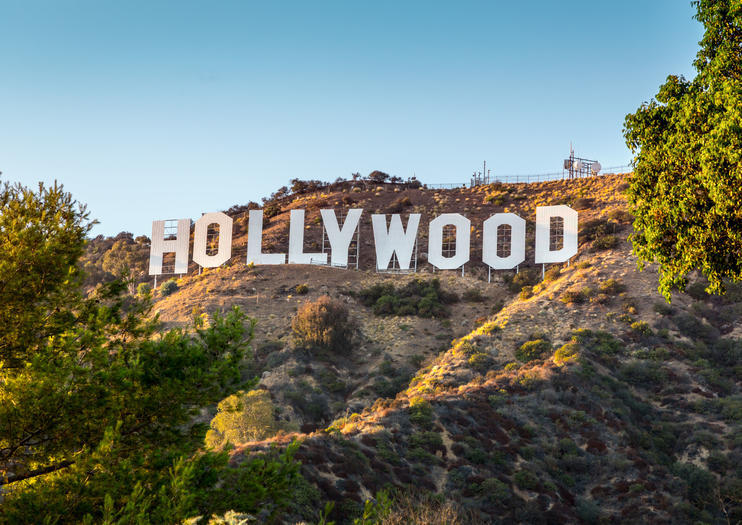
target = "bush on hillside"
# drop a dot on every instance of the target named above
(552, 274)
(566, 353)
(611, 287)
(399, 205)
(607, 242)
(417, 297)
(525, 277)
(143, 290)
(323, 323)
(576, 296)
(243, 417)
(531, 350)
(168, 287)
(271, 210)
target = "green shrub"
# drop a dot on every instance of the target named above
(697, 290)
(526, 293)
(417, 297)
(598, 342)
(421, 413)
(700, 483)
(301, 289)
(695, 329)
(242, 417)
(480, 362)
(323, 323)
(596, 228)
(588, 511)
(271, 210)
(168, 287)
(643, 373)
(526, 480)
(641, 328)
(553, 273)
(144, 289)
(664, 309)
(621, 216)
(495, 490)
(473, 295)
(566, 353)
(607, 242)
(531, 350)
(525, 277)
(576, 296)
(611, 287)
(430, 441)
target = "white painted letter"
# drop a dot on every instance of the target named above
(544, 254)
(435, 241)
(517, 241)
(395, 240)
(296, 242)
(159, 246)
(340, 239)
(224, 252)
(255, 242)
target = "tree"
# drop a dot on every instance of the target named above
(97, 403)
(686, 191)
(323, 323)
(242, 417)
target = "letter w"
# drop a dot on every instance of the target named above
(394, 240)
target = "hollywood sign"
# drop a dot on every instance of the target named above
(390, 239)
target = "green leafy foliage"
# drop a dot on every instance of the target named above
(109, 258)
(688, 161)
(169, 287)
(242, 417)
(531, 350)
(417, 297)
(97, 403)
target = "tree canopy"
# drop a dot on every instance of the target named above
(97, 403)
(686, 191)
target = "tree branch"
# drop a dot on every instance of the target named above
(7, 480)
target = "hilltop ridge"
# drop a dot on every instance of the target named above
(582, 397)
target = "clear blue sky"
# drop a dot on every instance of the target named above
(151, 110)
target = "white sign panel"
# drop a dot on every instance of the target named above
(255, 242)
(224, 250)
(340, 238)
(296, 242)
(394, 240)
(435, 241)
(517, 241)
(389, 240)
(159, 246)
(544, 254)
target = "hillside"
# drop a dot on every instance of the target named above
(584, 397)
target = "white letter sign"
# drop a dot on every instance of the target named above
(296, 242)
(395, 240)
(160, 246)
(435, 241)
(544, 253)
(224, 251)
(255, 242)
(517, 241)
(340, 238)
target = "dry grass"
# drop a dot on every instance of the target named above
(424, 510)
